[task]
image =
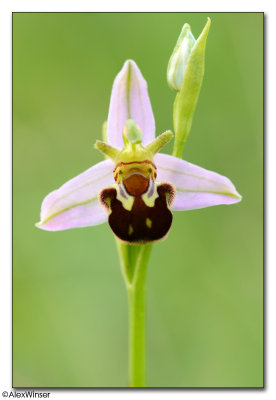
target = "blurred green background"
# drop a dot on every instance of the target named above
(205, 281)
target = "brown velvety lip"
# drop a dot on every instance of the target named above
(136, 184)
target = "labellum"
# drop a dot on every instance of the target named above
(138, 206)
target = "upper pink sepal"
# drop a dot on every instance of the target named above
(196, 187)
(129, 100)
(75, 204)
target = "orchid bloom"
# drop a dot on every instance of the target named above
(136, 188)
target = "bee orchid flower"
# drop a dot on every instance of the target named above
(137, 187)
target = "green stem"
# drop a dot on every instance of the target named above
(183, 118)
(134, 261)
(178, 148)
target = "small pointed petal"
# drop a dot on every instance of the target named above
(159, 142)
(75, 204)
(129, 100)
(109, 151)
(196, 187)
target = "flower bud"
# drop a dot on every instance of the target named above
(180, 57)
(185, 74)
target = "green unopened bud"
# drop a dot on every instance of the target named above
(180, 57)
(188, 92)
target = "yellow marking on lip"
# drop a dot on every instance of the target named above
(130, 230)
(148, 222)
